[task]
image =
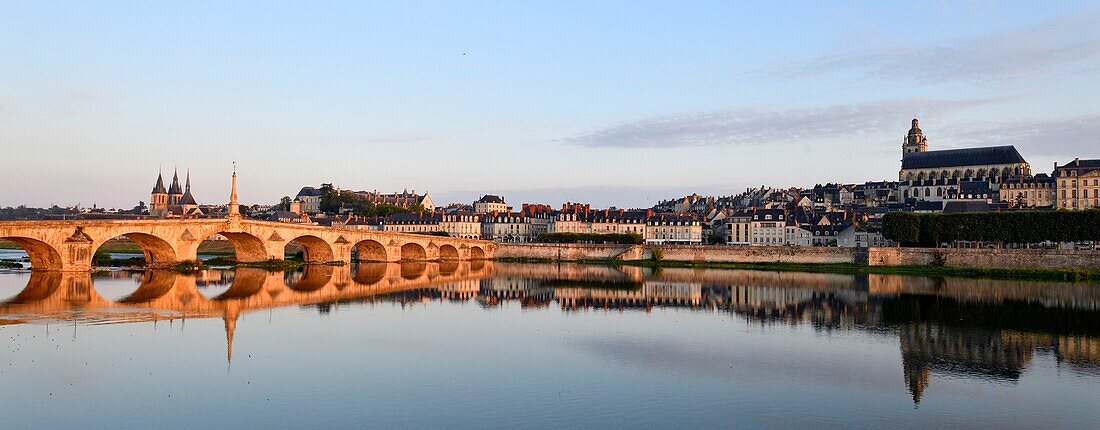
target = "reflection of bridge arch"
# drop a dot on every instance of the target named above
(371, 250)
(413, 270)
(246, 283)
(370, 273)
(413, 252)
(154, 285)
(55, 295)
(312, 278)
(42, 255)
(41, 285)
(448, 267)
(157, 251)
(314, 249)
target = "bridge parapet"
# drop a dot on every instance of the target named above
(70, 245)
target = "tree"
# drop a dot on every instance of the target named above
(284, 203)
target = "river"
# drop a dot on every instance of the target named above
(506, 345)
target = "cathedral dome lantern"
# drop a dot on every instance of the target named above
(914, 140)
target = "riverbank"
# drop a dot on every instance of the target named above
(1063, 265)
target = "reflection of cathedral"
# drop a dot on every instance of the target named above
(175, 201)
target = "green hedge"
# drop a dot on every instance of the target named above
(930, 230)
(621, 238)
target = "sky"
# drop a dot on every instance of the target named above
(612, 103)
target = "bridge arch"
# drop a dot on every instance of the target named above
(157, 251)
(413, 252)
(476, 253)
(371, 250)
(248, 248)
(43, 256)
(314, 249)
(448, 252)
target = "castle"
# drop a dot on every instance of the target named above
(174, 202)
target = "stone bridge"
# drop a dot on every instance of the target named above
(69, 245)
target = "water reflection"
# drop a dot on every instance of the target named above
(965, 328)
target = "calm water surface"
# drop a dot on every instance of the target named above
(495, 345)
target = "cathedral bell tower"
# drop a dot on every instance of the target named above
(914, 141)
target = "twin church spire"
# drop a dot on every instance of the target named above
(177, 201)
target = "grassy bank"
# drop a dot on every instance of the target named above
(851, 269)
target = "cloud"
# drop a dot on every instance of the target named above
(1055, 137)
(757, 126)
(1060, 47)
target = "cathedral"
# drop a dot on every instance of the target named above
(955, 174)
(175, 201)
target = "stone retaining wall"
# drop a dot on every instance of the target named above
(996, 258)
(989, 258)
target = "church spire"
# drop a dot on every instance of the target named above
(187, 188)
(234, 207)
(175, 187)
(159, 187)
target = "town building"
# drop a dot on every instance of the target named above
(523, 226)
(1078, 184)
(309, 201)
(490, 203)
(413, 222)
(1029, 192)
(405, 199)
(673, 229)
(465, 225)
(737, 228)
(768, 227)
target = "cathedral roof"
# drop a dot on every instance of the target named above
(159, 187)
(962, 157)
(188, 199)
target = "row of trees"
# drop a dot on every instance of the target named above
(931, 230)
(619, 238)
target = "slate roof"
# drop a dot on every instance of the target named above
(309, 192)
(188, 199)
(489, 198)
(962, 157)
(159, 187)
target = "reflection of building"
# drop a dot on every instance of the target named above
(956, 351)
(966, 328)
